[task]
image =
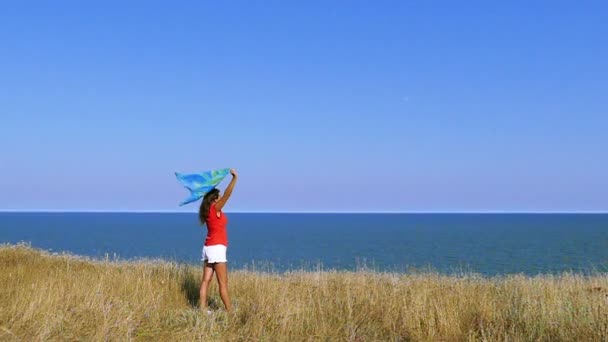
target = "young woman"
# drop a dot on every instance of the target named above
(214, 250)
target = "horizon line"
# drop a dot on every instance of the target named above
(109, 211)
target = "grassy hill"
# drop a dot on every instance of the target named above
(64, 297)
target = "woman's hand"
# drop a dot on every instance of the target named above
(233, 173)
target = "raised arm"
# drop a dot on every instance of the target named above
(222, 200)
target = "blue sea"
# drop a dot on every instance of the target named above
(489, 244)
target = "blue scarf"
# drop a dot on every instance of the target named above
(200, 183)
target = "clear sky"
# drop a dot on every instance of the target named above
(319, 105)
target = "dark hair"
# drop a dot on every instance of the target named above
(203, 212)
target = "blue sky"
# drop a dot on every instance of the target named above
(319, 105)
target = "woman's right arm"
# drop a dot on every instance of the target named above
(222, 200)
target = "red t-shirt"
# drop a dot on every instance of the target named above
(216, 228)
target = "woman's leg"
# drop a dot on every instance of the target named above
(206, 280)
(221, 272)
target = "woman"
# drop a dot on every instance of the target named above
(214, 250)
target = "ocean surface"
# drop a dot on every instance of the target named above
(489, 244)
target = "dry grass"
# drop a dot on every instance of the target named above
(61, 297)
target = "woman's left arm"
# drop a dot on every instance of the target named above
(222, 200)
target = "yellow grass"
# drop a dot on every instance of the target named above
(62, 297)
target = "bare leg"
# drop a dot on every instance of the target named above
(205, 281)
(221, 272)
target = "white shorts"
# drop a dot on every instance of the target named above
(215, 253)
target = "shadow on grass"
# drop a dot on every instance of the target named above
(191, 287)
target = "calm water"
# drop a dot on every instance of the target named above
(486, 243)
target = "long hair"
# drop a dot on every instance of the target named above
(203, 212)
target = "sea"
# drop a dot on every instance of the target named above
(484, 244)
